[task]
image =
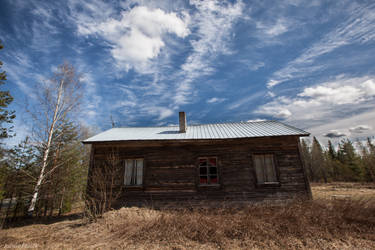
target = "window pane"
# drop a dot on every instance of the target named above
(139, 171)
(213, 161)
(128, 171)
(213, 170)
(203, 180)
(270, 169)
(258, 162)
(202, 170)
(202, 162)
(134, 172)
(213, 179)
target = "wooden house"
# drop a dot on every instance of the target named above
(202, 164)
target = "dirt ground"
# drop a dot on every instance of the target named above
(341, 216)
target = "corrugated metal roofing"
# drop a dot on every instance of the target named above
(196, 132)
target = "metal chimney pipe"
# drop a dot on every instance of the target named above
(183, 124)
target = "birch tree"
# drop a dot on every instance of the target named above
(58, 99)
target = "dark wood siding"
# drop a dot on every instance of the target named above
(171, 170)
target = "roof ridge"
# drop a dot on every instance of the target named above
(190, 125)
(227, 130)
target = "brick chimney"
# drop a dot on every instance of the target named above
(183, 124)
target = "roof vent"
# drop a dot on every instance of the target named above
(183, 125)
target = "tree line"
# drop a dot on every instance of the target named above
(342, 163)
(45, 174)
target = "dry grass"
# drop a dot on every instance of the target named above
(322, 223)
(343, 190)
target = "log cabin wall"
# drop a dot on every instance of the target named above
(171, 172)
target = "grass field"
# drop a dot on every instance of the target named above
(341, 216)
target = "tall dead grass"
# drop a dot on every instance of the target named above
(300, 224)
(328, 224)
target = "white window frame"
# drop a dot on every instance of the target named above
(134, 177)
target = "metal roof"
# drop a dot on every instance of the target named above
(199, 132)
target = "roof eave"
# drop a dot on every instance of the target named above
(189, 140)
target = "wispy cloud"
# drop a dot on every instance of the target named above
(272, 29)
(246, 100)
(210, 28)
(215, 100)
(212, 23)
(360, 129)
(358, 29)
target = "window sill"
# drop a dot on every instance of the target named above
(133, 186)
(209, 185)
(269, 184)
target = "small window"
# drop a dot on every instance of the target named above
(265, 169)
(208, 174)
(133, 172)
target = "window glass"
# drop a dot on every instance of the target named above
(203, 179)
(265, 168)
(208, 170)
(203, 171)
(213, 170)
(133, 172)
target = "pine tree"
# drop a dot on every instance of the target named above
(350, 160)
(306, 157)
(317, 161)
(69, 169)
(368, 161)
(331, 162)
(20, 175)
(6, 116)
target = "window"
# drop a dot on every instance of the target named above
(265, 169)
(133, 172)
(208, 174)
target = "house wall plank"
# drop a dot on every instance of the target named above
(171, 170)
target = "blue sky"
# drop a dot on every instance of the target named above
(307, 63)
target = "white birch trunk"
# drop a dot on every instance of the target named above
(46, 151)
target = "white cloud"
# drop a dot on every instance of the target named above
(358, 29)
(256, 66)
(342, 125)
(137, 36)
(334, 94)
(275, 111)
(324, 101)
(143, 37)
(360, 129)
(215, 100)
(369, 87)
(273, 29)
(160, 112)
(251, 64)
(256, 120)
